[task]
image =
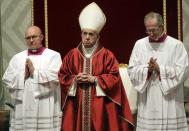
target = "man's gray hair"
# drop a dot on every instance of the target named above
(154, 15)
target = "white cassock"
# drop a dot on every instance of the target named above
(37, 99)
(160, 101)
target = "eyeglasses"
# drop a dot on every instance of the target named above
(154, 30)
(148, 31)
(33, 37)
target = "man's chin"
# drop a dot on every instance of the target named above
(32, 48)
(88, 45)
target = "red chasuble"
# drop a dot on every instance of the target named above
(86, 111)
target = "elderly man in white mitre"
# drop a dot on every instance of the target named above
(93, 96)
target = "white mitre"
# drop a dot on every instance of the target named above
(92, 17)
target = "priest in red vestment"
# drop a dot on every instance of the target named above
(93, 96)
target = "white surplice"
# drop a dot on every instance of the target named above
(160, 98)
(37, 99)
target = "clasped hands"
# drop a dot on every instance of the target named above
(85, 78)
(29, 68)
(153, 65)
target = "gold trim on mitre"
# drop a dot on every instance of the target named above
(92, 17)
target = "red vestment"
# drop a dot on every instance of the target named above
(105, 113)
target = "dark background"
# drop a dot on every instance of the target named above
(123, 27)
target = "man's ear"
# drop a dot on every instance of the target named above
(41, 36)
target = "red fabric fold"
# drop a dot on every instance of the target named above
(111, 112)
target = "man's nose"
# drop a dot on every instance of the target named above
(31, 39)
(87, 36)
(150, 33)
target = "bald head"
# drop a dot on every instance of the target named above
(34, 37)
(154, 16)
(33, 29)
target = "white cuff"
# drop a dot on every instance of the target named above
(72, 91)
(99, 91)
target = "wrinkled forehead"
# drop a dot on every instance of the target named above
(89, 31)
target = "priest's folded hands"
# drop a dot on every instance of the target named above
(29, 68)
(85, 78)
(153, 65)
